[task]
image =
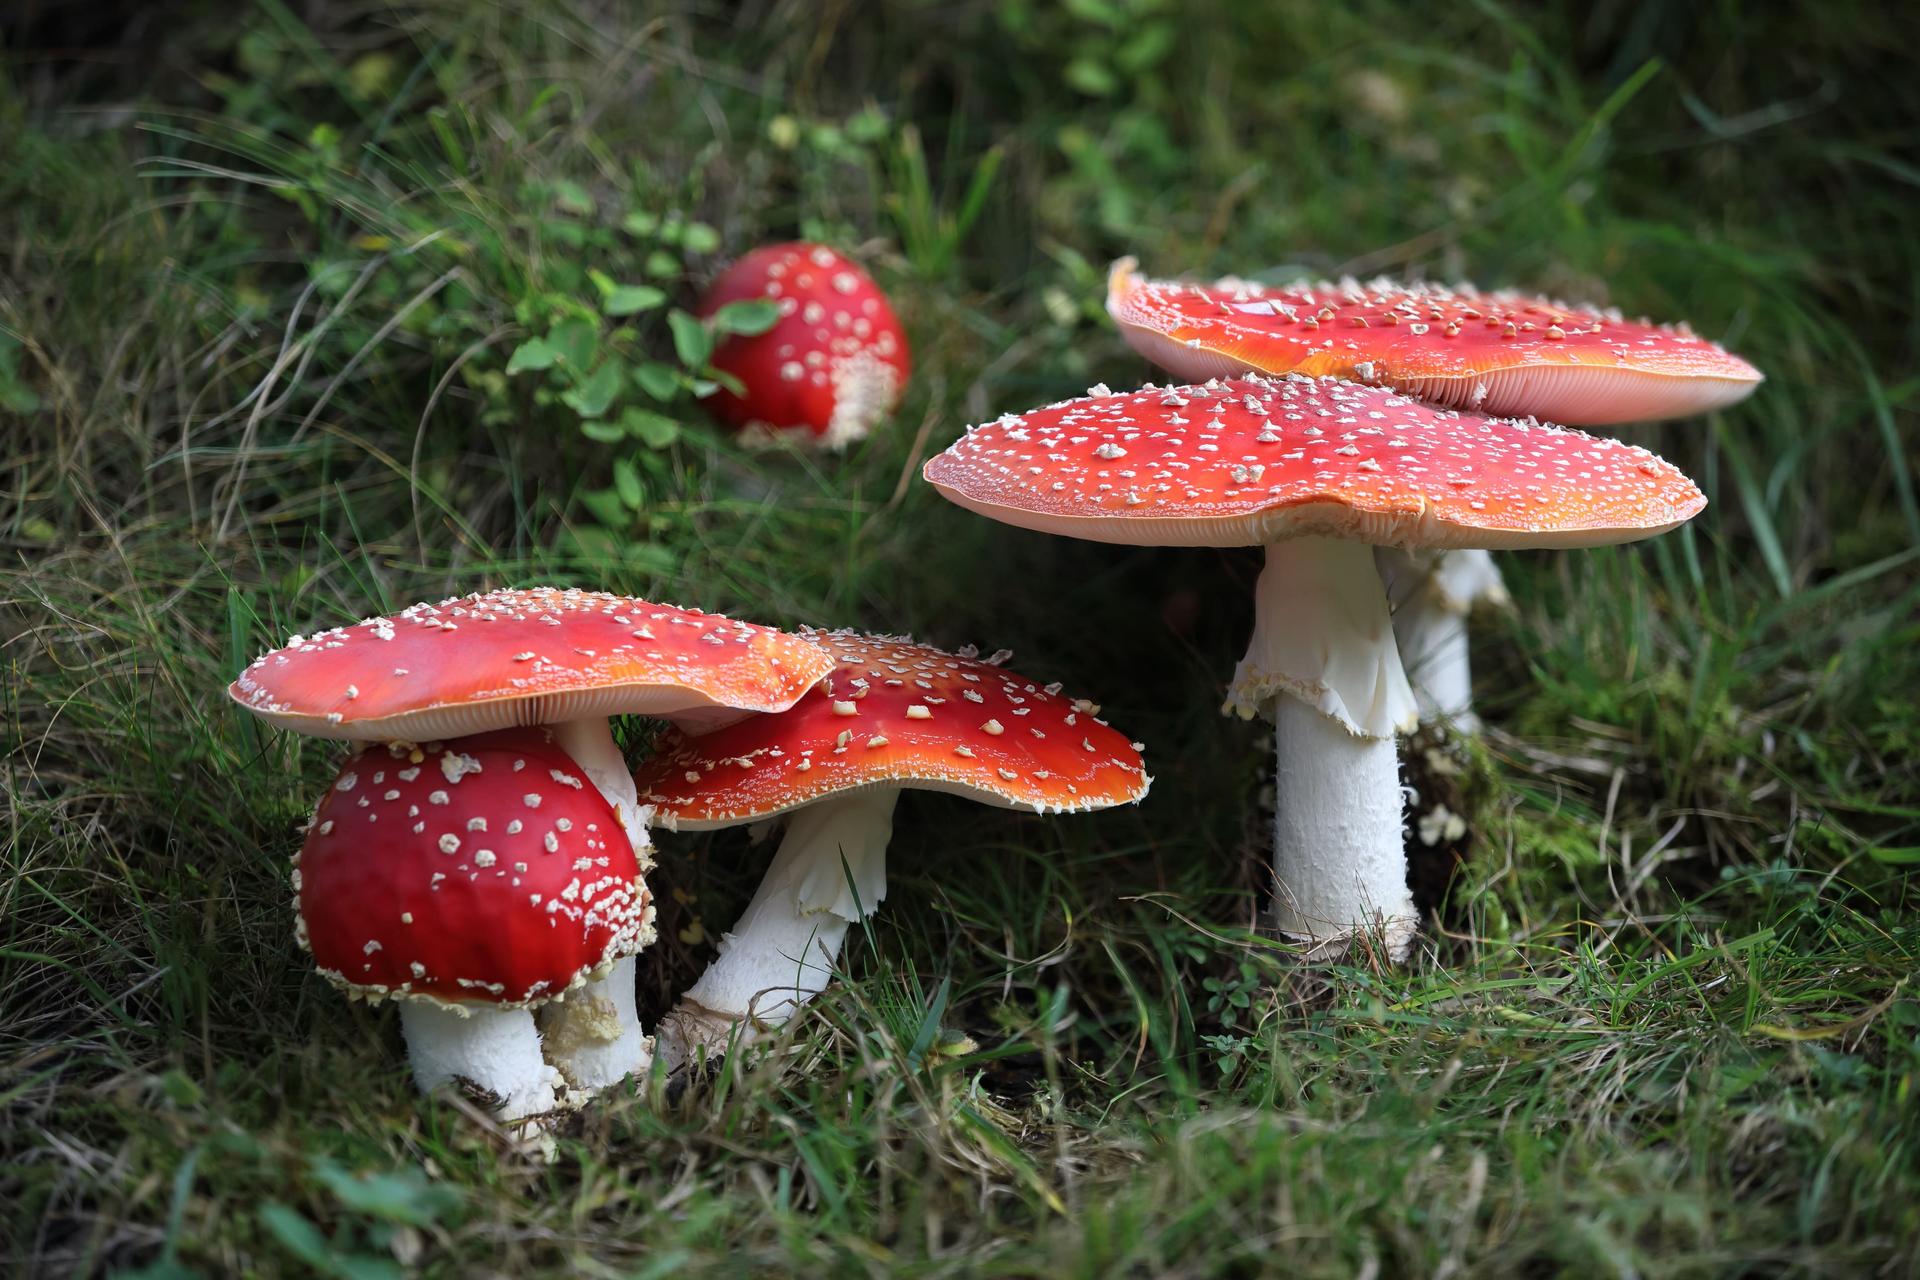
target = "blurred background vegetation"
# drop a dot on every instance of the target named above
(311, 310)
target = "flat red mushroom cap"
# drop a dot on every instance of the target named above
(835, 363)
(535, 656)
(484, 870)
(895, 713)
(1254, 460)
(1498, 353)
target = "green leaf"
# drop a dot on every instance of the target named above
(605, 507)
(571, 197)
(700, 238)
(404, 1195)
(655, 430)
(15, 395)
(657, 380)
(1901, 857)
(162, 1268)
(1146, 48)
(691, 340)
(626, 299)
(662, 263)
(534, 353)
(595, 394)
(640, 223)
(1091, 77)
(601, 281)
(626, 483)
(748, 317)
(600, 431)
(575, 341)
(297, 1236)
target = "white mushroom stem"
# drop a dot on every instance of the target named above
(589, 741)
(1324, 666)
(490, 1046)
(830, 870)
(594, 1036)
(1431, 598)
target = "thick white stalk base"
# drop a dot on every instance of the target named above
(496, 1049)
(1338, 859)
(593, 1036)
(830, 871)
(1431, 600)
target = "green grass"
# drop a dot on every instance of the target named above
(259, 282)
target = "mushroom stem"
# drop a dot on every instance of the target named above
(492, 1047)
(1324, 666)
(1339, 863)
(1431, 600)
(589, 740)
(830, 870)
(593, 1037)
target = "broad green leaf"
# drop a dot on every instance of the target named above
(534, 353)
(657, 380)
(403, 1195)
(571, 197)
(575, 342)
(655, 430)
(640, 223)
(600, 431)
(626, 483)
(691, 341)
(1091, 77)
(626, 299)
(662, 263)
(298, 1236)
(605, 507)
(595, 394)
(748, 317)
(700, 238)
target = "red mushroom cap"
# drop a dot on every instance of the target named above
(535, 656)
(484, 870)
(1254, 460)
(895, 713)
(834, 364)
(1500, 353)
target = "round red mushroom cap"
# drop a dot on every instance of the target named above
(1253, 460)
(483, 870)
(520, 657)
(833, 365)
(1498, 353)
(896, 713)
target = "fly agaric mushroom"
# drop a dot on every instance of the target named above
(831, 367)
(1314, 469)
(470, 883)
(893, 716)
(565, 659)
(1496, 353)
